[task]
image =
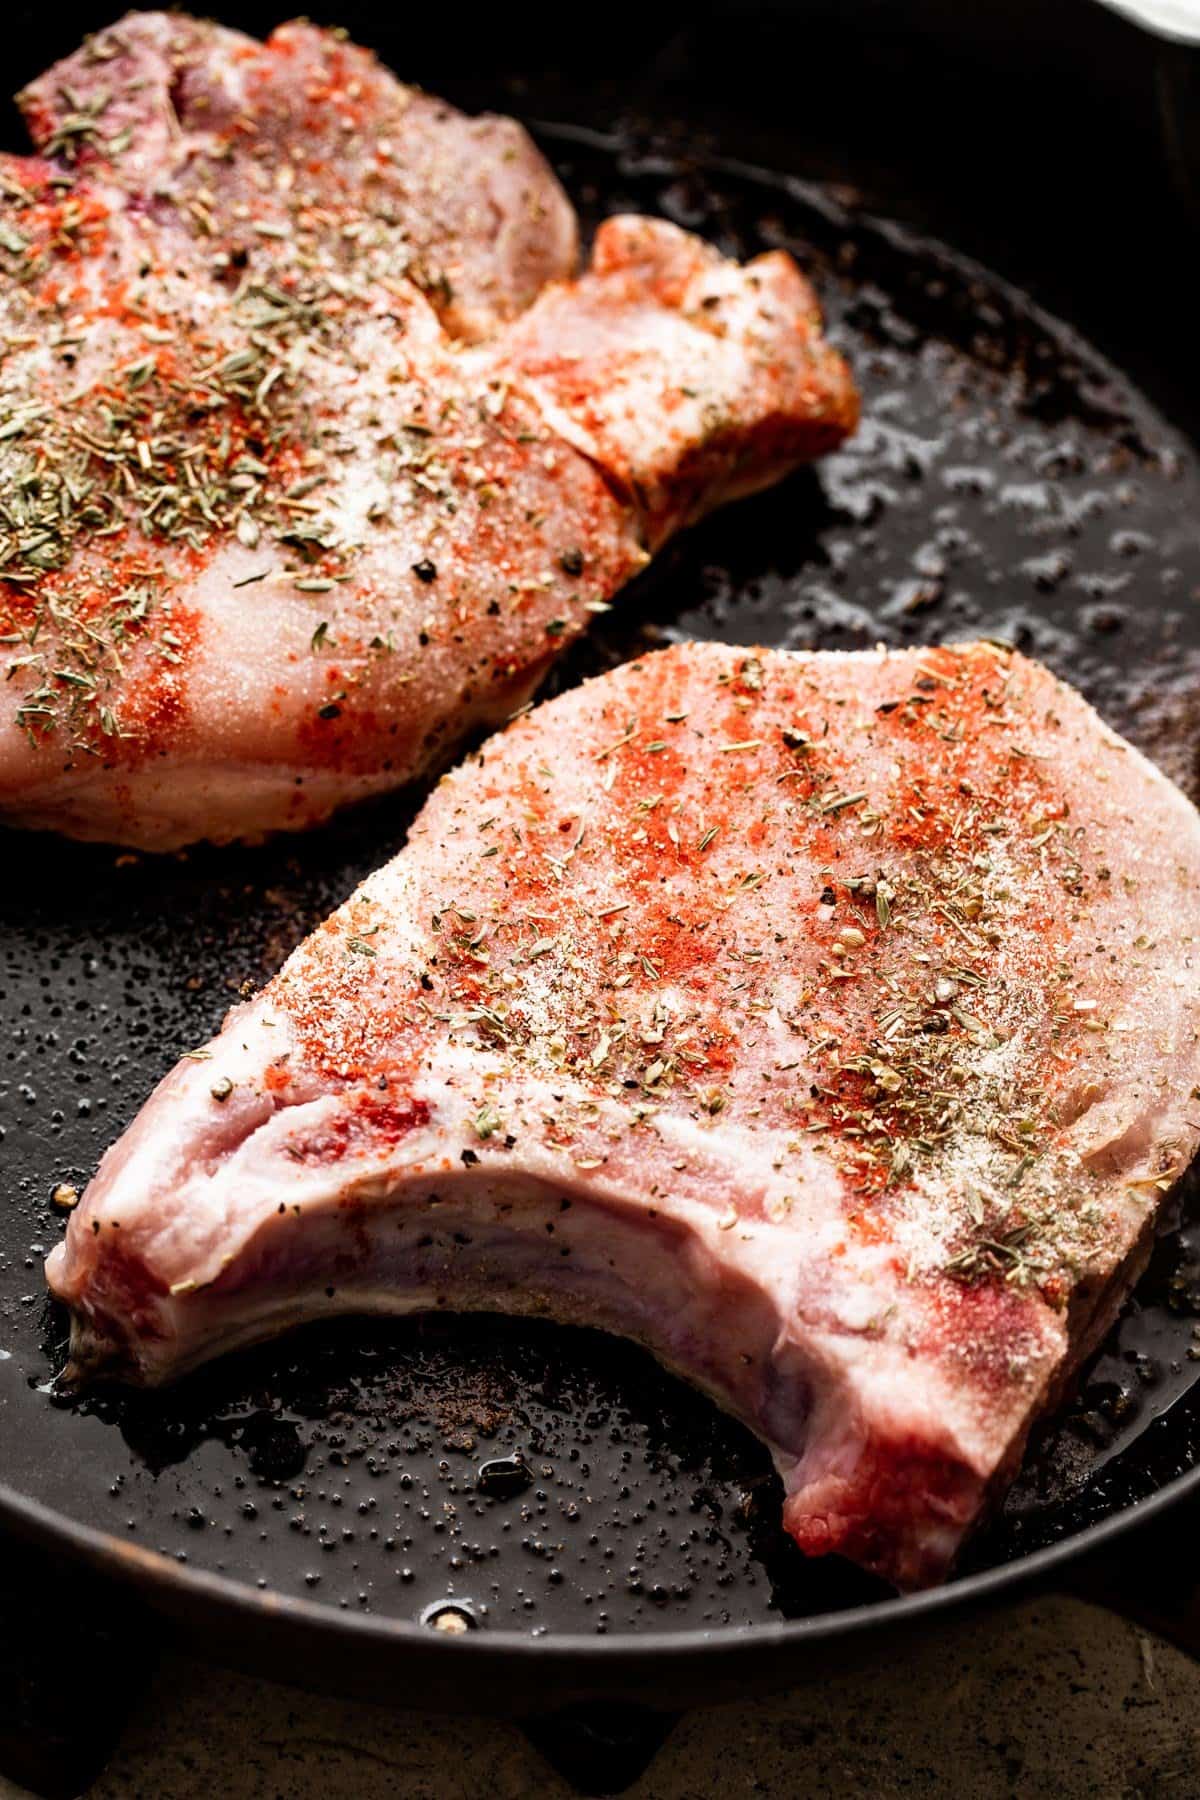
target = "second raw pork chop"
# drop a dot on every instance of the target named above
(828, 1023)
(312, 458)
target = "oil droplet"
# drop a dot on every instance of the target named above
(504, 1476)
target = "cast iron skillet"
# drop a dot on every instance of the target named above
(575, 1520)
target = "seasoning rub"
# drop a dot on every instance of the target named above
(850, 1104)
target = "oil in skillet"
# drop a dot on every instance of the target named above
(1003, 486)
(504, 1476)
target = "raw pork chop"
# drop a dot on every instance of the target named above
(306, 140)
(827, 1022)
(271, 538)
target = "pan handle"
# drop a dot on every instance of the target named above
(600, 1748)
(1150, 1576)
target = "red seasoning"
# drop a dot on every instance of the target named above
(313, 455)
(827, 1022)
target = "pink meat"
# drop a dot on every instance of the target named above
(308, 136)
(827, 1023)
(313, 455)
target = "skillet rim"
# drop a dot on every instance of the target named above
(152, 1572)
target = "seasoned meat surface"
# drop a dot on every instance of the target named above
(827, 1022)
(314, 453)
(307, 144)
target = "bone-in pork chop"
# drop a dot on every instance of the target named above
(827, 1022)
(287, 506)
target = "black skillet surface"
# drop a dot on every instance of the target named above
(546, 1481)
